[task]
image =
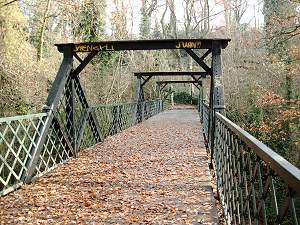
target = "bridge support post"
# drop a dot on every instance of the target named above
(51, 108)
(61, 107)
(200, 102)
(140, 100)
(159, 97)
(217, 99)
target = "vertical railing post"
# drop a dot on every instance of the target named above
(120, 117)
(211, 112)
(201, 102)
(143, 105)
(198, 105)
(140, 100)
(74, 134)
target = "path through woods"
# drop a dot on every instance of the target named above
(153, 173)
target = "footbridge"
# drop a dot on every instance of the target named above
(143, 162)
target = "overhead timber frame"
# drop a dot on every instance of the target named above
(68, 111)
(162, 84)
(144, 77)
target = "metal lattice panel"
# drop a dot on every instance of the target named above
(19, 135)
(115, 118)
(204, 114)
(88, 139)
(151, 108)
(255, 184)
(55, 151)
(17, 140)
(251, 189)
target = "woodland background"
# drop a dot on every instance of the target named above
(261, 63)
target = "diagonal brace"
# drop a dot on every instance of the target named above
(163, 86)
(94, 124)
(146, 80)
(200, 60)
(197, 86)
(83, 63)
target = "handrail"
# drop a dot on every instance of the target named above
(255, 184)
(22, 117)
(122, 103)
(282, 167)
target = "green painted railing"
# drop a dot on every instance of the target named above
(19, 135)
(255, 184)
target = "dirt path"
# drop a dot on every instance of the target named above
(153, 173)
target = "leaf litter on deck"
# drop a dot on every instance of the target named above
(153, 173)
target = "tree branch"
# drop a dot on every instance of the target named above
(8, 3)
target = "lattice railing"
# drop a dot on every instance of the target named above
(115, 118)
(255, 184)
(19, 137)
(204, 115)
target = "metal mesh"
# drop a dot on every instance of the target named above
(55, 151)
(255, 184)
(253, 188)
(151, 108)
(19, 135)
(88, 138)
(17, 142)
(204, 114)
(70, 111)
(115, 118)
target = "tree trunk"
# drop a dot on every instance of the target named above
(42, 32)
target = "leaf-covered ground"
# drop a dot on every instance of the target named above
(153, 173)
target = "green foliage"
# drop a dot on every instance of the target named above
(92, 20)
(185, 98)
(145, 25)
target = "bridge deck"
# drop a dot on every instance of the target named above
(155, 172)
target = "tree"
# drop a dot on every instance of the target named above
(148, 7)
(278, 14)
(119, 20)
(92, 20)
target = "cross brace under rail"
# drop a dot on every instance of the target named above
(170, 73)
(178, 82)
(164, 83)
(146, 76)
